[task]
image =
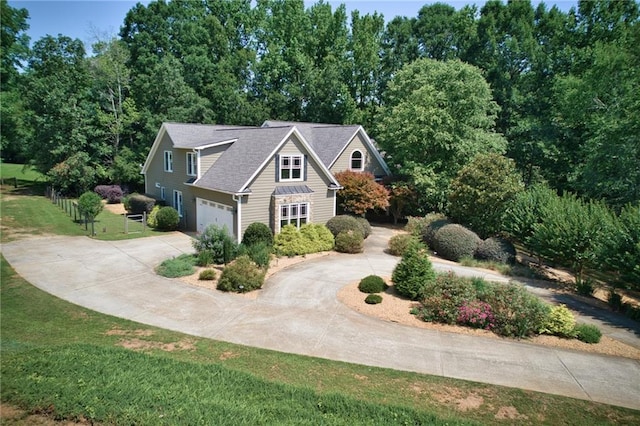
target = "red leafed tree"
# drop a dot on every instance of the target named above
(361, 192)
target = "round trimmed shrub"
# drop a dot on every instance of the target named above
(414, 272)
(496, 249)
(90, 204)
(167, 219)
(350, 242)
(343, 223)
(241, 276)
(588, 333)
(365, 227)
(257, 232)
(373, 299)
(453, 242)
(138, 203)
(207, 275)
(372, 284)
(399, 243)
(429, 230)
(559, 322)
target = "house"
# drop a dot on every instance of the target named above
(278, 173)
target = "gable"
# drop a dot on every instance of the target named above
(372, 161)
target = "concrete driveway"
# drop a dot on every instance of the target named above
(297, 312)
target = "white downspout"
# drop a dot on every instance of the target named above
(238, 199)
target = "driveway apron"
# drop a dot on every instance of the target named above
(298, 312)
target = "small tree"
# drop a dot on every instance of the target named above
(414, 272)
(90, 206)
(481, 192)
(361, 192)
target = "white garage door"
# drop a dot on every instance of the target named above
(212, 213)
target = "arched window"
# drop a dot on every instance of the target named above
(356, 160)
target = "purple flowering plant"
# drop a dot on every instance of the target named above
(476, 314)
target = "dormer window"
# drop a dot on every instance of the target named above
(291, 167)
(356, 161)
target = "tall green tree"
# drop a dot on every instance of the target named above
(436, 118)
(482, 191)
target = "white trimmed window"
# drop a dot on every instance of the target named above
(168, 161)
(192, 164)
(177, 201)
(356, 161)
(291, 167)
(295, 214)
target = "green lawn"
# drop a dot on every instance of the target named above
(22, 173)
(73, 363)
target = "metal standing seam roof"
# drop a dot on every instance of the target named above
(292, 190)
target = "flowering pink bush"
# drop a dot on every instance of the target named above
(476, 314)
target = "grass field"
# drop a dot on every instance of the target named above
(66, 362)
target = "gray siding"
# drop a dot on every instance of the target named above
(371, 163)
(259, 203)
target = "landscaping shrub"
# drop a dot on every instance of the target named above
(112, 193)
(587, 333)
(517, 312)
(416, 225)
(204, 258)
(167, 219)
(317, 236)
(430, 229)
(241, 276)
(372, 284)
(260, 253)
(615, 300)
(559, 322)
(177, 267)
(453, 242)
(342, 223)
(257, 232)
(310, 238)
(90, 204)
(443, 297)
(476, 314)
(207, 275)
(373, 299)
(217, 241)
(365, 227)
(414, 272)
(138, 203)
(151, 217)
(350, 242)
(399, 243)
(585, 287)
(496, 249)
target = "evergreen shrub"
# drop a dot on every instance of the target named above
(343, 223)
(588, 333)
(430, 229)
(414, 272)
(167, 219)
(218, 242)
(350, 242)
(151, 217)
(496, 249)
(373, 299)
(559, 322)
(241, 276)
(399, 243)
(372, 284)
(365, 227)
(257, 232)
(138, 203)
(453, 242)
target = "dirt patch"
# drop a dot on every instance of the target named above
(228, 355)
(115, 208)
(137, 333)
(10, 414)
(509, 413)
(146, 345)
(457, 398)
(397, 309)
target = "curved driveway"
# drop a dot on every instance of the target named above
(297, 312)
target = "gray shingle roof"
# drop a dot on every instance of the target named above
(243, 158)
(195, 135)
(327, 140)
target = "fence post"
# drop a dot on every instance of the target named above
(144, 221)
(126, 224)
